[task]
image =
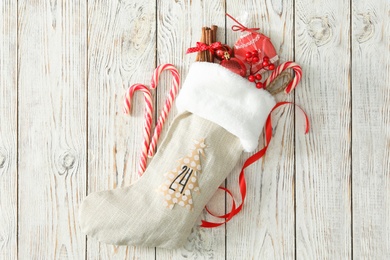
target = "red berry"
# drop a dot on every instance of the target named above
(265, 58)
(265, 63)
(255, 53)
(259, 85)
(271, 67)
(251, 78)
(255, 59)
(258, 76)
(248, 54)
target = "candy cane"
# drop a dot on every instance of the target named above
(148, 120)
(282, 67)
(168, 102)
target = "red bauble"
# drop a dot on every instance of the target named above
(248, 54)
(271, 67)
(235, 65)
(265, 63)
(220, 52)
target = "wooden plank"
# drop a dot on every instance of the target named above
(265, 227)
(179, 27)
(371, 129)
(8, 130)
(121, 52)
(52, 132)
(323, 163)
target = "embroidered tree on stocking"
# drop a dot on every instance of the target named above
(183, 179)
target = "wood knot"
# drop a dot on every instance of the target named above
(2, 159)
(67, 161)
(365, 27)
(277, 6)
(320, 30)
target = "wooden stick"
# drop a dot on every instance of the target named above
(199, 56)
(214, 29)
(213, 38)
(203, 39)
(209, 39)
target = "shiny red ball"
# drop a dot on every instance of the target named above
(271, 67)
(248, 54)
(255, 53)
(259, 85)
(220, 53)
(255, 59)
(265, 63)
(251, 78)
(265, 58)
(258, 76)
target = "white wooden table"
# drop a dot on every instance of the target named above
(65, 66)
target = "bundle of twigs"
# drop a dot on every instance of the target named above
(208, 37)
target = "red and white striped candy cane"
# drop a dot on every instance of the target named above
(282, 67)
(168, 102)
(148, 120)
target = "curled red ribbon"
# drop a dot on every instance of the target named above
(200, 46)
(241, 27)
(242, 182)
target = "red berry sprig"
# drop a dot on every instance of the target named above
(252, 57)
(256, 78)
(266, 64)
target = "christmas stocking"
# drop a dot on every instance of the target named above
(220, 115)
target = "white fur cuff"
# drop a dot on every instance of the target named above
(227, 99)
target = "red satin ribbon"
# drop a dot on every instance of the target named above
(268, 136)
(200, 46)
(241, 27)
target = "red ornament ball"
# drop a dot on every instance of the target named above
(265, 63)
(255, 59)
(271, 66)
(248, 54)
(234, 65)
(251, 78)
(220, 53)
(258, 76)
(259, 85)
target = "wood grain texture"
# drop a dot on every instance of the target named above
(52, 128)
(179, 27)
(65, 66)
(121, 52)
(371, 129)
(323, 169)
(8, 130)
(265, 227)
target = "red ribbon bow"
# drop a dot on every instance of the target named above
(242, 182)
(200, 46)
(241, 27)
